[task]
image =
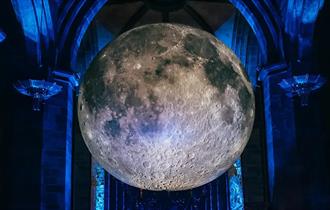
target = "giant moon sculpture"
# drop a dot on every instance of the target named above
(166, 107)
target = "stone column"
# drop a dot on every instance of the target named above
(56, 153)
(283, 176)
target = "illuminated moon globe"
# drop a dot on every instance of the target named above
(166, 107)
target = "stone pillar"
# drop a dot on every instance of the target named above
(283, 175)
(56, 153)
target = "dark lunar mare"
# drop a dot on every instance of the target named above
(124, 105)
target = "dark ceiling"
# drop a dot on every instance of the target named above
(207, 15)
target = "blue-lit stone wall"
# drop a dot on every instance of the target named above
(37, 24)
(93, 42)
(82, 31)
(299, 20)
(56, 152)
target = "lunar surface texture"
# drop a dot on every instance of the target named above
(166, 107)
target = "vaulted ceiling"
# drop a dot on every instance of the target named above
(53, 30)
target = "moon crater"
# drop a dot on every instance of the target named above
(166, 107)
